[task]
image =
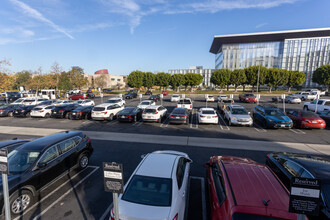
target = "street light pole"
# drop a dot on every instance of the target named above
(258, 80)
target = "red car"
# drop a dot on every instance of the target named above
(240, 188)
(165, 92)
(247, 97)
(78, 96)
(302, 119)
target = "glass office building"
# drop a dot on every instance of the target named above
(301, 50)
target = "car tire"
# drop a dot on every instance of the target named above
(229, 122)
(20, 201)
(69, 116)
(111, 117)
(302, 99)
(10, 114)
(135, 118)
(305, 108)
(28, 115)
(83, 161)
(47, 115)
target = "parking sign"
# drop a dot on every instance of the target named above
(3, 162)
(113, 177)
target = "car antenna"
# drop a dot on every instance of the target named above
(265, 202)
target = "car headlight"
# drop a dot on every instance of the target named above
(234, 118)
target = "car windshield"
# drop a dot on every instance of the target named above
(145, 103)
(29, 100)
(150, 110)
(274, 112)
(58, 102)
(98, 109)
(18, 100)
(149, 191)
(179, 111)
(239, 111)
(184, 101)
(208, 112)
(243, 216)
(175, 96)
(112, 100)
(126, 111)
(227, 101)
(19, 160)
(79, 102)
(37, 109)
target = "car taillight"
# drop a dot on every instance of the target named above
(177, 106)
(105, 113)
(41, 111)
(155, 113)
(172, 116)
(129, 116)
(143, 112)
(215, 116)
(61, 111)
(79, 113)
(190, 106)
(202, 116)
(88, 140)
(176, 217)
(23, 110)
(1, 110)
(183, 117)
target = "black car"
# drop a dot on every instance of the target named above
(154, 97)
(23, 111)
(12, 96)
(82, 112)
(107, 90)
(35, 164)
(12, 144)
(148, 92)
(90, 95)
(130, 114)
(7, 110)
(288, 165)
(63, 111)
(130, 95)
(325, 115)
(179, 116)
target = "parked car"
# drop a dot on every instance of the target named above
(106, 111)
(62, 102)
(7, 110)
(146, 103)
(78, 97)
(288, 165)
(221, 105)
(247, 97)
(12, 96)
(63, 111)
(209, 98)
(118, 101)
(179, 116)
(148, 93)
(130, 95)
(237, 115)
(165, 92)
(23, 111)
(305, 95)
(90, 95)
(11, 145)
(74, 91)
(302, 119)
(86, 102)
(208, 116)
(29, 101)
(154, 113)
(222, 97)
(82, 112)
(322, 105)
(271, 117)
(47, 102)
(175, 98)
(157, 188)
(240, 188)
(292, 100)
(185, 103)
(154, 98)
(131, 114)
(35, 164)
(43, 111)
(107, 90)
(325, 115)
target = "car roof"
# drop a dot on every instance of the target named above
(251, 183)
(236, 106)
(147, 100)
(105, 104)
(319, 167)
(41, 143)
(152, 106)
(115, 98)
(157, 165)
(206, 109)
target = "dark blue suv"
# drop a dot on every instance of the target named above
(271, 117)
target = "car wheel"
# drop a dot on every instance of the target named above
(20, 201)
(135, 119)
(111, 117)
(47, 115)
(28, 114)
(303, 99)
(10, 114)
(229, 122)
(305, 108)
(69, 116)
(83, 161)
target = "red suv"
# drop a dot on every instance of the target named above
(247, 97)
(240, 188)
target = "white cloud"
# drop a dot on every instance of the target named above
(38, 16)
(261, 25)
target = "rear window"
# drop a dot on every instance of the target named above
(184, 101)
(126, 111)
(242, 216)
(37, 109)
(150, 110)
(28, 100)
(149, 191)
(175, 96)
(98, 109)
(113, 101)
(208, 112)
(145, 103)
(227, 101)
(309, 114)
(179, 111)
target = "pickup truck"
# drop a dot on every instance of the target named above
(185, 103)
(322, 105)
(305, 95)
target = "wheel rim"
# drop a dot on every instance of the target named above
(20, 204)
(84, 161)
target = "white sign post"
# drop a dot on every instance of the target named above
(140, 96)
(231, 96)
(317, 100)
(120, 95)
(6, 97)
(4, 170)
(101, 95)
(183, 96)
(258, 98)
(283, 98)
(161, 98)
(206, 97)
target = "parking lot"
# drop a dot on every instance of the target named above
(80, 195)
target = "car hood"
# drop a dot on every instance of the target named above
(278, 118)
(133, 211)
(12, 180)
(242, 116)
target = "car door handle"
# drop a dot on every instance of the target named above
(184, 193)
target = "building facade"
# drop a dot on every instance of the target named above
(102, 79)
(206, 73)
(298, 50)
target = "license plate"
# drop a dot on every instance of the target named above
(55, 112)
(16, 111)
(149, 117)
(282, 126)
(314, 122)
(208, 117)
(122, 116)
(177, 117)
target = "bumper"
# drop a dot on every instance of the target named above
(3, 114)
(250, 100)
(244, 123)
(178, 121)
(279, 125)
(57, 115)
(77, 117)
(312, 125)
(208, 121)
(99, 118)
(125, 119)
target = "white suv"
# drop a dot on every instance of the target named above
(106, 111)
(146, 103)
(85, 102)
(154, 113)
(43, 111)
(237, 115)
(118, 101)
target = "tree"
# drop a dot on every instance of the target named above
(64, 82)
(221, 77)
(100, 81)
(237, 78)
(135, 79)
(77, 77)
(252, 75)
(163, 79)
(37, 82)
(56, 70)
(192, 79)
(149, 80)
(22, 78)
(6, 81)
(276, 77)
(177, 80)
(295, 78)
(321, 76)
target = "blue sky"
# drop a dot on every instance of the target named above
(146, 35)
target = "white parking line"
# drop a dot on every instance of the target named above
(258, 128)
(203, 195)
(166, 122)
(219, 121)
(113, 122)
(51, 193)
(107, 211)
(65, 194)
(297, 131)
(224, 122)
